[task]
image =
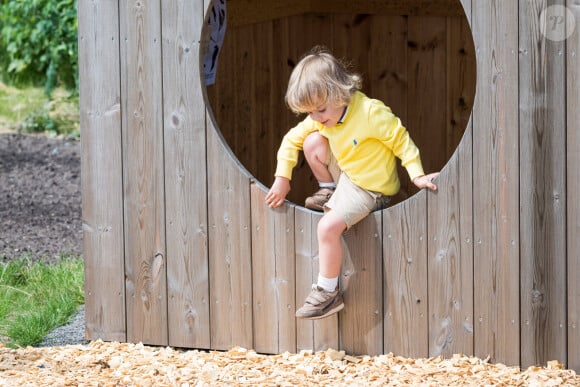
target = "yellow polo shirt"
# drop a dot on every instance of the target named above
(365, 145)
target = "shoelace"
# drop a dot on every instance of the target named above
(317, 296)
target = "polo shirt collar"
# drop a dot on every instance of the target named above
(341, 119)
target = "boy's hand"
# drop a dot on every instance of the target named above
(277, 194)
(426, 181)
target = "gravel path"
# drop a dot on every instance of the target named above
(70, 334)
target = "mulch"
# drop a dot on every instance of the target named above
(117, 364)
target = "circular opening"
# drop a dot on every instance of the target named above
(420, 62)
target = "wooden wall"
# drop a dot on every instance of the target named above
(180, 249)
(422, 66)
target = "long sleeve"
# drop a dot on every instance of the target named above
(291, 144)
(397, 138)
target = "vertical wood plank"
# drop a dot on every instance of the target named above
(496, 199)
(542, 190)
(278, 112)
(222, 96)
(461, 74)
(145, 254)
(230, 249)
(229, 236)
(450, 209)
(427, 77)
(465, 65)
(101, 175)
(251, 79)
(185, 176)
(406, 325)
(264, 51)
(247, 80)
(273, 275)
(317, 335)
(326, 331)
(573, 187)
(361, 322)
(306, 273)
(465, 157)
(351, 39)
(450, 262)
(386, 79)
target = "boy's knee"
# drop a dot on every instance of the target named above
(315, 143)
(331, 226)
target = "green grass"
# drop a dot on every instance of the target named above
(17, 104)
(36, 297)
(29, 110)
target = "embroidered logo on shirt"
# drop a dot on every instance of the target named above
(355, 142)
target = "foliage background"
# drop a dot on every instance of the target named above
(39, 183)
(38, 43)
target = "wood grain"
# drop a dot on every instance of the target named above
(179, 243)
(185, 178)
(543, 204)
(230, 248)
(405, 286)
(573, 188)
(395, 55)
(450, 261)
(273, 275)
(317, 335)
(101, 172)
(361, 323)
(495, 182)
(143, 172)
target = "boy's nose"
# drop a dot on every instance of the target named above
(315, 116)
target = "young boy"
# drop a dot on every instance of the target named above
(350, 142)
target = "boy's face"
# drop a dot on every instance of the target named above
(327, 114)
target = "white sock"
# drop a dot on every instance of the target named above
(332, 184)
(328, 284)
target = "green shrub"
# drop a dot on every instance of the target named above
(37, 122)
(38, 43)
(29, 110)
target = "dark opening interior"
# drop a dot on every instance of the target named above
(417, 56)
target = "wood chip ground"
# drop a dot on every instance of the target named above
(117, 364)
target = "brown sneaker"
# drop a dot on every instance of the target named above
(320, 304)
(317, 201)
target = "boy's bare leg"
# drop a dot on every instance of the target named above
(323, 302)
(316, 150)
(330, 229)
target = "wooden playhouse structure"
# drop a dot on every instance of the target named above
(181, 250)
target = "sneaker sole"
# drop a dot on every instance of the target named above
(329, 313)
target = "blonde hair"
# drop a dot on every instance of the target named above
(320, 78)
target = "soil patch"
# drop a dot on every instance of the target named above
(40, 198)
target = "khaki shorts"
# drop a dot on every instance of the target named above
(351, 202)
